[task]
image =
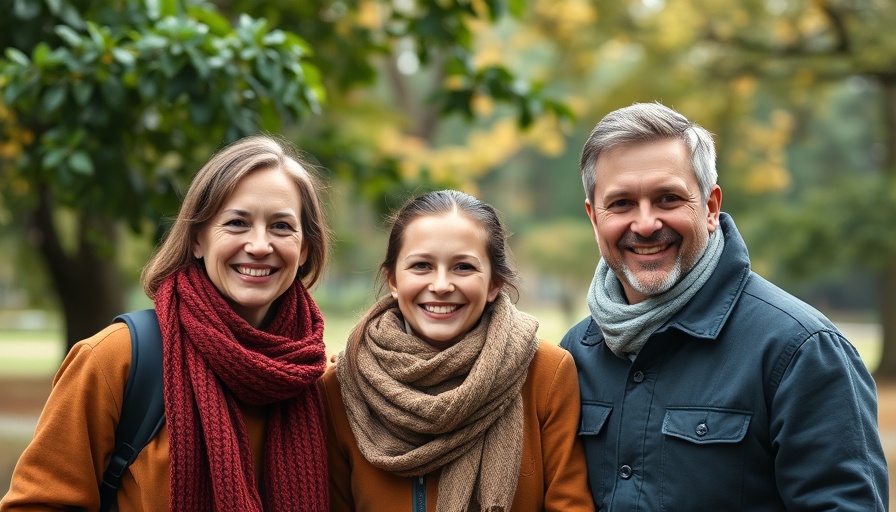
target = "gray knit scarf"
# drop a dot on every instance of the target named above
(414, 408)
(626, 327)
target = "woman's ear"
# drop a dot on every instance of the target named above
(494, 291)
(197, 249)
(393, 288)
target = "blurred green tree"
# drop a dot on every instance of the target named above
(108, 107)
(758, 74)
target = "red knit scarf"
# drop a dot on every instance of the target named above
(213, 360)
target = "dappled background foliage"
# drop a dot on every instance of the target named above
(109, 107)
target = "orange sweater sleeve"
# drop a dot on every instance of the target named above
(565, 469)
(63, 464)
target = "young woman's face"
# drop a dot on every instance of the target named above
(442, 277)
(253, 247)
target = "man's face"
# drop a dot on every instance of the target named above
(649, 220)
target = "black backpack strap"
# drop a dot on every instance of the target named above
(143, 407)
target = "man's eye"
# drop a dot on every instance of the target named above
(670, 198)
(619, 203)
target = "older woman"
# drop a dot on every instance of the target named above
(243, 347)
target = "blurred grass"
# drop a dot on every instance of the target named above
(38, 352)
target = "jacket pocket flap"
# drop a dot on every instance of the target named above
(594, 416)
(706, 425)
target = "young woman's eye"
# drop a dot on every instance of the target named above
(465, 267)
(420, 265)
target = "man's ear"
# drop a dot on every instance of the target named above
(714, 208)
(590, 211)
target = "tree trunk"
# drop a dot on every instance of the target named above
(887, 367)
(88, 285)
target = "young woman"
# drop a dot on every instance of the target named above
(444, 398)
(243, 349)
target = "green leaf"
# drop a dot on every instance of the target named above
(42, 55)
(68, 35)
(12, 91)
(269, 118)
(198, 61)
(96, 35)
(54, 157)
(69, 15)
(16, 55)
(113, 92)
(202, 112)
(217, 24)
(25, 9)
(81, 91)
(53, 98)
(123, 56)
(80, 163)
(153, 9)
(55, 6)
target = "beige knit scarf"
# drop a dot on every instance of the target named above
(415, 409)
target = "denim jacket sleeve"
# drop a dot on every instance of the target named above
(823, 428)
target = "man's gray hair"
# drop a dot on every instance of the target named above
(644, 122)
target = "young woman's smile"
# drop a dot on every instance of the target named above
(443, 279)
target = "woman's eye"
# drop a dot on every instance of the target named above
(465, 267)
(420, 265)
(283, 226)
(237, 223)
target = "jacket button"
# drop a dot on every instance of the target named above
(625, 472)
(638, 376)
(702, 429)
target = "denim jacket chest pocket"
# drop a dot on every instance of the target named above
(592, 432)
(704, 451)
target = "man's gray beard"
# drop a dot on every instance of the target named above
(675, 275)
(651, 289)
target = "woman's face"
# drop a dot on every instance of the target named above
(442, 277)
(253, 247)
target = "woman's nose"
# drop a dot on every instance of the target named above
(259, 243)
(441, 283)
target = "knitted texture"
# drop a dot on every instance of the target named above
(415, 409)
(214, 360)
(626, 327)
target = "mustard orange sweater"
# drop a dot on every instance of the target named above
(553, 474)
(64, 463)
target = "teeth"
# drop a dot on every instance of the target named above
(647, 250)
(440, 309)
(254, 272)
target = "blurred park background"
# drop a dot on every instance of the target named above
(107, 108)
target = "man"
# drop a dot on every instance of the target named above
(704, 386)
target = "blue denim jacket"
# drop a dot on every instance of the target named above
(746, 400)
